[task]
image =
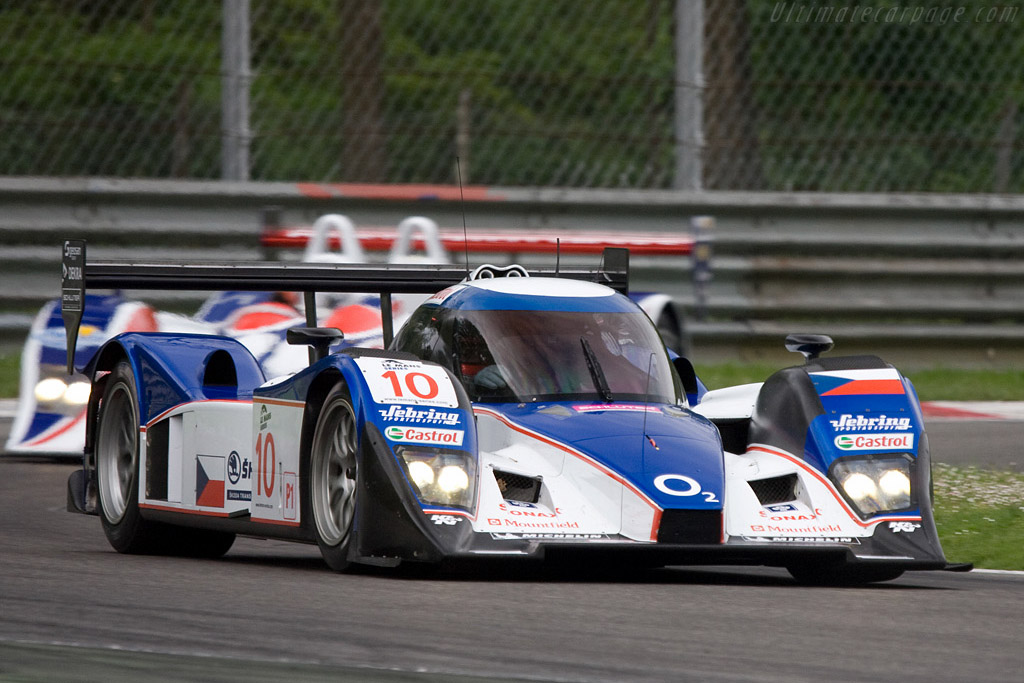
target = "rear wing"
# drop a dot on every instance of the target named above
(308, 278)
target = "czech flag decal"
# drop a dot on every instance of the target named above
(210, 481)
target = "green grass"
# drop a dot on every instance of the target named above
(936, 384)
(10, 364)
(980, 516)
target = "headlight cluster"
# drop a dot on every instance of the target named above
(875, 484)
(441, 477)
(56, 390)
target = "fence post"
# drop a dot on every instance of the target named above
(689, 92)
(235, 76)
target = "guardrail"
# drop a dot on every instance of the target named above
(928, 277)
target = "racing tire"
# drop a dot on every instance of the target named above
(842, 574)
(333, 478)
(117, 474)
(117, 465)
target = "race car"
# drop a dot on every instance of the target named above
(515, 415)
(50, 414)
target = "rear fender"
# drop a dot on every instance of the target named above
(171, 369)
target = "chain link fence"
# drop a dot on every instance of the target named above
(713, 94)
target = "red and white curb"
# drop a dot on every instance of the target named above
(973, 410)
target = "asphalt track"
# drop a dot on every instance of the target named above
(73, 610)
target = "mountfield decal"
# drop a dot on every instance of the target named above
(787, 530)
(444, 437)
(875, 442)
(861, 423)
(531, 523)
(430, 416)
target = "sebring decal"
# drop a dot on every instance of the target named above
(860, 423)
(447, 437)
(430, 416)
(875, 442)
(409, 382)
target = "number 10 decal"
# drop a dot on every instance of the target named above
(679, 481)
(266, 465)
(407, 382)
(414, 382)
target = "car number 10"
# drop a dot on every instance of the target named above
(413, 384)
(266, 464)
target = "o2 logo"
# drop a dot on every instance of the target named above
(683, 486)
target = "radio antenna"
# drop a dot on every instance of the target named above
(558, 254)
(462, 203)
(647, 398)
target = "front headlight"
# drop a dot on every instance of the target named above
(875, 484)
(50, 389)
(55, 390)
(77, 393)
(441, 477)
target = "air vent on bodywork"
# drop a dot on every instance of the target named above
(690, 526)
(775, 489)
(518, 487)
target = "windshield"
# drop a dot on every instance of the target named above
(556, 355)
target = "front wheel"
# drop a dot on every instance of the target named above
(333, 478)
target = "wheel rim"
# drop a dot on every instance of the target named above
(334, 473)
(116, 447)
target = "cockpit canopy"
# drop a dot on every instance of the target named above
(512, 355)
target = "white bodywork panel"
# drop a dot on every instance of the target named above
(277, 426)
(729, 403)
(580, 498)
(201, 439)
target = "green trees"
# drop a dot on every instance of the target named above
(525, 92)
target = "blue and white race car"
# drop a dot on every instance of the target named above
(514, 415)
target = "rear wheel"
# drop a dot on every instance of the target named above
(333, 478)
(843, 574)
(117, 473)
(117, 465)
